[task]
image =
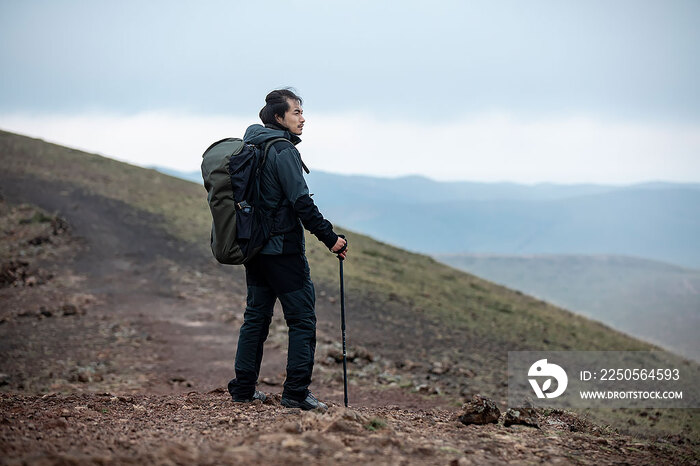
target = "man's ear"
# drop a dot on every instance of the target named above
(279, 120)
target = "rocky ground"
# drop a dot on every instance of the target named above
(207, 428)
(117, 341)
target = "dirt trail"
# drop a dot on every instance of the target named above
(172, 312)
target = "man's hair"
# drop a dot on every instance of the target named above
(277, 104)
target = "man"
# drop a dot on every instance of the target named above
(280, 270)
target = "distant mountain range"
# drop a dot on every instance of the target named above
(659, 221)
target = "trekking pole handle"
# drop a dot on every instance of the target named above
(345, 246)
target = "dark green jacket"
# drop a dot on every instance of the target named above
(283, 191)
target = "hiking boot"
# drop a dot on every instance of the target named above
(258, 395)
(310, 402)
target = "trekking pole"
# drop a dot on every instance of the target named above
(342, 324)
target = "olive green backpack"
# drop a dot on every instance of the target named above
(231, 172)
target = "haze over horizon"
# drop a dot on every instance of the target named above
(548, 91)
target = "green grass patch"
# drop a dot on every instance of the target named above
(38, 217)
(375, 424)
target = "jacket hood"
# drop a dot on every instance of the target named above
(258, 134)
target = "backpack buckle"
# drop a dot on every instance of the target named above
(244, 206)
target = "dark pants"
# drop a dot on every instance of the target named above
(283, 277)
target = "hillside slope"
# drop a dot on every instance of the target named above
(654, 301)
(131, 301)
(459, 317)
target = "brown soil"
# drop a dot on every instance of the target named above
(117, 341)
(207, 428)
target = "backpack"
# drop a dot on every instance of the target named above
(231, 172)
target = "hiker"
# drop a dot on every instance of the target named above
(280, 270)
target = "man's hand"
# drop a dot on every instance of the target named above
(340, 244)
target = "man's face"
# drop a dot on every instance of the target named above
(294, 118)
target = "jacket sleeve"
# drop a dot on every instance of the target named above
(295, 190)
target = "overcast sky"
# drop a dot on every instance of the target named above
(527, 91)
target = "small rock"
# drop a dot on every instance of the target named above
(406, 364)
(439, 368)
(59, 226)
(31, 281)
(292, 427)
(270, 381)
(4, 379)
(342, 426)
(69, 309)
(521, 416)
(466, 372)
(58, 422)
(180, 381)
(337, 355)
(38, 240)
(292, 442)
(363, 353)
(479, 410)
(556, 422)
(139, 408)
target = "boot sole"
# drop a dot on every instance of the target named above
(297, 404)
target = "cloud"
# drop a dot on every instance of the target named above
(145, 139)
(484, 147)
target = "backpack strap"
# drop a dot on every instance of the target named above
(258, 171)
(269, 144)
(272, 141)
